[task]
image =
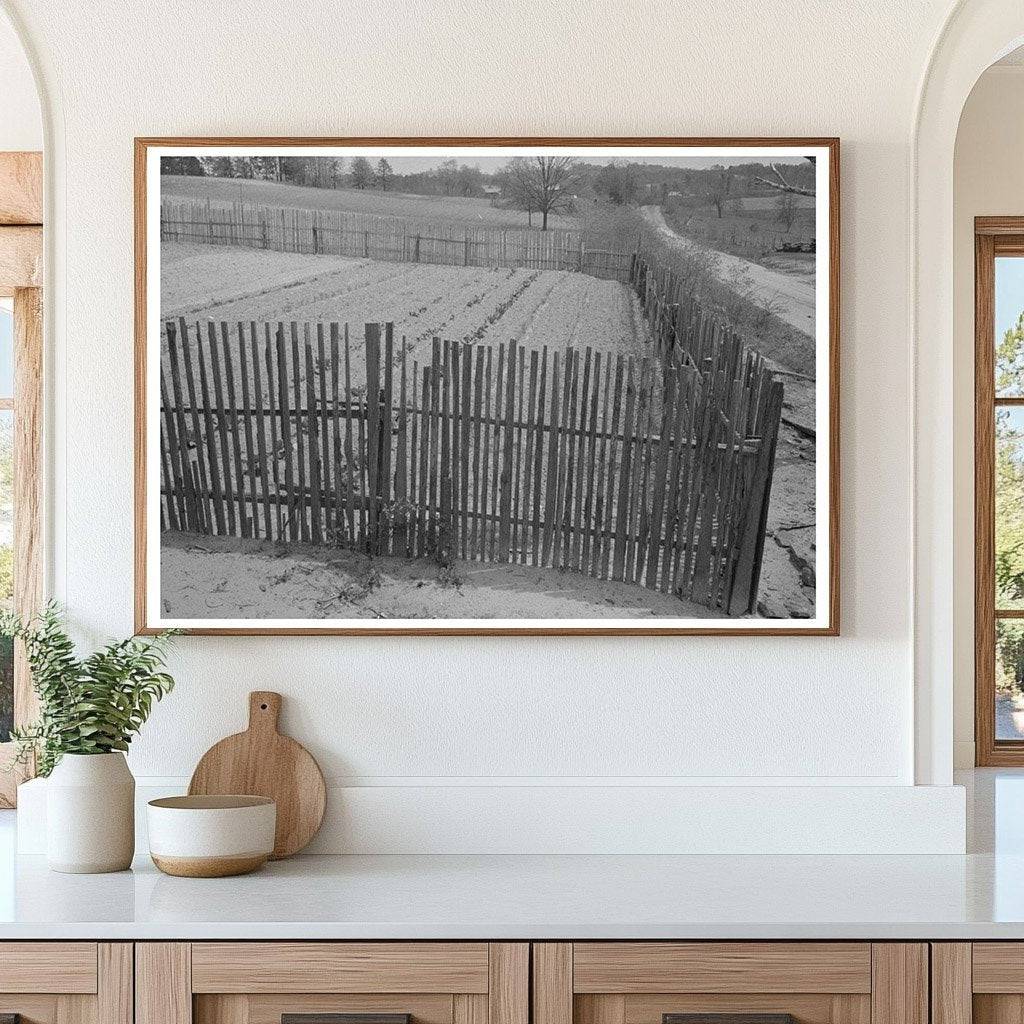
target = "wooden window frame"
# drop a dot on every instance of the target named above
(21, 270)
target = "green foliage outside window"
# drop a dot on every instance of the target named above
(1009, 507)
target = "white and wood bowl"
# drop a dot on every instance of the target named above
(211, 836)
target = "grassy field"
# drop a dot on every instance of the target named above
(748, 227)
(449, 209)
(537, 308)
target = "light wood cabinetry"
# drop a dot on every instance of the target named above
(66, 982)
(259, 982)
(977, 983)
(511, 982)
(815, 982)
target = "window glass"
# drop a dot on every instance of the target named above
(1009, 512)
(1009, 679)
(1009, 327)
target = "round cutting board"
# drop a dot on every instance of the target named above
(262, 762)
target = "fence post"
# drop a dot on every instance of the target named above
(372, 454)
(465, 254)
(366, 244)
(416, 251)
(743, 595)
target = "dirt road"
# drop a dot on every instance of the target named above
(791, 296)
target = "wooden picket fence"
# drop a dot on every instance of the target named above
(367, 236)
(655, 470)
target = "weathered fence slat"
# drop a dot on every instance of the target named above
(262, 467)
(311, 429)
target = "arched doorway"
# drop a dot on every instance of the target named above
(976, 33)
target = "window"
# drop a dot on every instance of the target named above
(21, 365)
(6, 510)
(20, 564)
(999, 490)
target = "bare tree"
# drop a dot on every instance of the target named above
(783, 184)
(542, 184)
(785, 206)
(718, 188)
(383, 173)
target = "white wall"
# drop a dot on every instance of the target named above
(21, 125)
(988, 180)
(445, 713)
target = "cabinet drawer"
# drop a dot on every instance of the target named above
(66, 982)
(735, 982)
(262, 982)
(69, 967)
(635, 967)
(340, 967)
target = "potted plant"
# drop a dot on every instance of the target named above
(89, 709)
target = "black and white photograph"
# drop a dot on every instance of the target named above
(574, 387)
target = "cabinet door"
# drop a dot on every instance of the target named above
(66, 982)
(737, 982)
(980, 982)
(332, 983)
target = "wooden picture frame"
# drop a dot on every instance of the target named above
(262, 233)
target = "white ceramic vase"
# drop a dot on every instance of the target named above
(90, 814)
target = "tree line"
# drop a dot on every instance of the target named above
(449, 179)
(537, 185)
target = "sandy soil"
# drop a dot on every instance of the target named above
(791, 296)
(450, 209)
(537, 308)
(210, 577)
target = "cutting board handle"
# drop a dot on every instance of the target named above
(264, 710)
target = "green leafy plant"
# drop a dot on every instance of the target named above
(90, 705)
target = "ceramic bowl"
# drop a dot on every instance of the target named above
(211, 836)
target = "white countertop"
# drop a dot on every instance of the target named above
(532, 897)
(978, 896)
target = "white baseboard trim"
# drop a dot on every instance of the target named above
(547, 819)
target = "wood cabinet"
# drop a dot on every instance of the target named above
(815, 982)
(259, 982)
(497, 983)
(979, 982)
(66, 982)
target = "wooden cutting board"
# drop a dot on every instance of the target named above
(262, 762)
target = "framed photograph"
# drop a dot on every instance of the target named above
(487, 386)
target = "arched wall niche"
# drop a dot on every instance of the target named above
(975, 35)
